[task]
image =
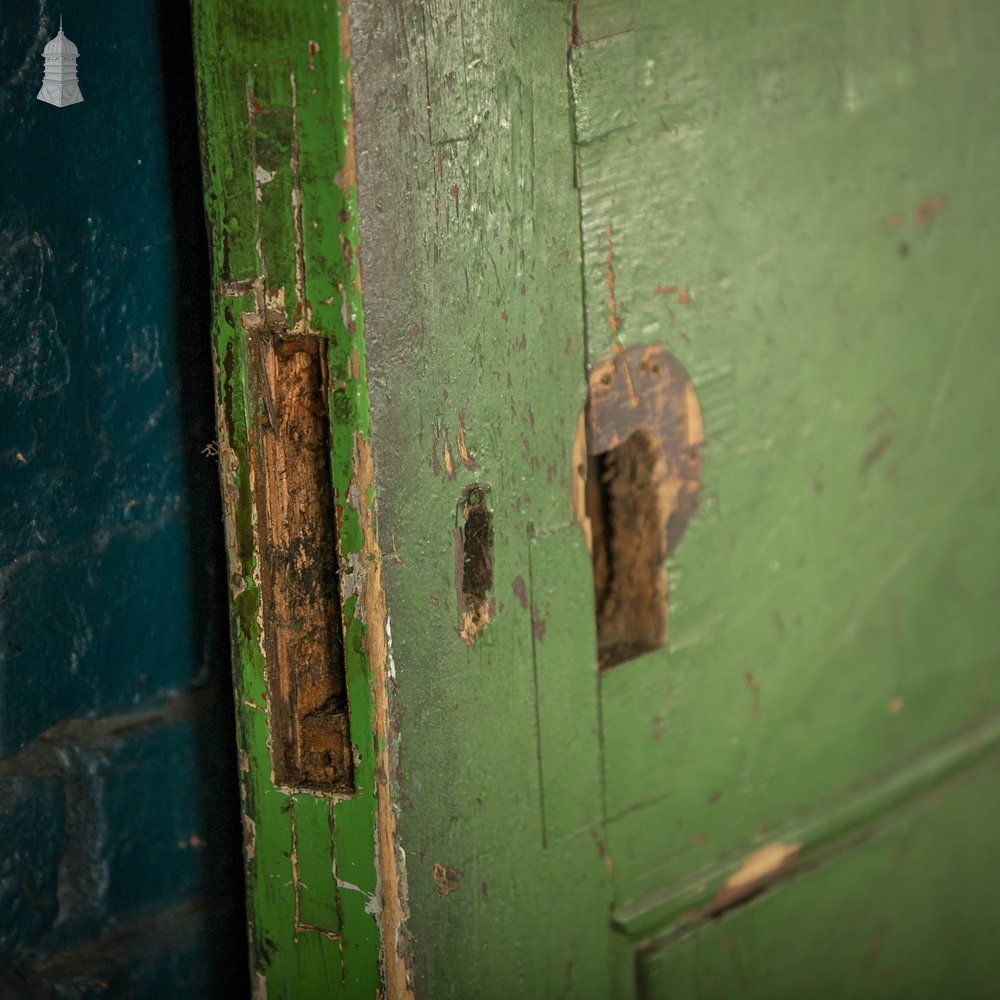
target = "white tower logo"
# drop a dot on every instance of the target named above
(59, 86)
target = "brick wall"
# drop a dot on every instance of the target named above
(120, 872)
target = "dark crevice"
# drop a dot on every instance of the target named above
(215, 730)
(303, 637)
(477, 578)
(474, 561)
(629, 549)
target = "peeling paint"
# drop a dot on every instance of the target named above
(392, 909)
(463, 451)
(578, 483)
(449, 462)
(249, 837)
(754, 873)
(262, 176)
(259, 986)
(264, 235)
(448, 879)
(391, 663)
(644, 434)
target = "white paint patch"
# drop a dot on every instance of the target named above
(371, 899)
(391, 663)
(249, 837)
(259, 986)
(261, 176)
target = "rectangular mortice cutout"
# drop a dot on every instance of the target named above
(642, 480)
(630, 582)
(303, 639)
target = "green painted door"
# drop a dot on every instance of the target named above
(798, 202)
(669, 670)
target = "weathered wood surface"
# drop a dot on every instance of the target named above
(900, 915)
(278, 167)
(644, 434)
(471, 262)
(799, 203)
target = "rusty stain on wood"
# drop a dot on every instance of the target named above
(447, 878)
(929, 208)
(875, 452)
(604, 854)
(537, 625)
(578, 482)
(520, 591)
(392, 880)
(393, 912)
(449, 462)
(641, 483)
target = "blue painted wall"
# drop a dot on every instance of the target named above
(120, 871)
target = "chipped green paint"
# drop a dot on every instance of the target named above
(473, 307)
(798, 201)
(274, 111)
(757, 188)
(887, 919)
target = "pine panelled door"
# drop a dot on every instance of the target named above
(606, 410)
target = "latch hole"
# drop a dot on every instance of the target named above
(299, 568)
(629, 548)
(638, 467)
(474, 561)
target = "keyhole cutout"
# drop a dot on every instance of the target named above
(641, 477)
(474, 561)
(629, 549)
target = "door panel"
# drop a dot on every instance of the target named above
(880, 920)
(773, 209)
(473, 312)
(796, 203)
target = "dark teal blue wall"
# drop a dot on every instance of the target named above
(120, 872)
